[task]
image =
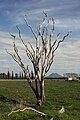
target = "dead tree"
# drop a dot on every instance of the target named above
(41, 55)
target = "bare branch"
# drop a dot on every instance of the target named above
(61, 41)
(12, 35)
(55, 41)
(30, 27)
(53, 24)
(20, 35)
(41, 35)
(28, 52)
(16, 60)
(45, 14)
(49, 65)
(32, 48)
(30, 55)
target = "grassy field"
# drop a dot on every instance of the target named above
(58, 94)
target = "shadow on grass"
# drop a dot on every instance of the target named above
(5, 99)
(13, 101)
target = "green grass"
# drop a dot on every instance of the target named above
(58, 94)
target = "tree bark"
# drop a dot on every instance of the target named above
(42, 93)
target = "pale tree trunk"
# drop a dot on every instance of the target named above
(41, 99)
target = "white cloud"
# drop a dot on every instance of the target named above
(73, 24)
(34, 11)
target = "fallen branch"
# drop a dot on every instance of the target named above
(27, 108)
(51, 118)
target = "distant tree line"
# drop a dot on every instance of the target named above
(12, 75)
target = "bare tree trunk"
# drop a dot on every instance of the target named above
(42, 93)
(36, 87)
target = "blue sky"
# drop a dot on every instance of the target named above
(67, 18)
